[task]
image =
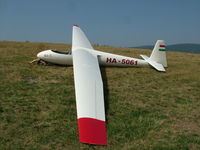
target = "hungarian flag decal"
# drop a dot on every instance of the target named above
(162, 48)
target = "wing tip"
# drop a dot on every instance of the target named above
(75, 25)
(92, 131)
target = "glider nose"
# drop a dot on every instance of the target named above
(40, 55)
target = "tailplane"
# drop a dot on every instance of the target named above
(158, 58)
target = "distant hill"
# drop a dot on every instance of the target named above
(191, 48)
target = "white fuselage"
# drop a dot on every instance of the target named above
(105, 59)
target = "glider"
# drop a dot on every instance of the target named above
(88, 80)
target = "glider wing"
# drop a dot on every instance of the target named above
(89, 93)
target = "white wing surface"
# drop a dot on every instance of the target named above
(89, 92)
(79, 39)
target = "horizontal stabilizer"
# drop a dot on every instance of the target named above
(154, 64)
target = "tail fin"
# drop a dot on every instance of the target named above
(158, 58)
(158, 54)
(79, 39)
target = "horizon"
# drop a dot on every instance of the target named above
(96, 44)
(113, 23)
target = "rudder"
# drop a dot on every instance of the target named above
(159, 53)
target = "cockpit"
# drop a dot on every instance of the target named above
(62, 52)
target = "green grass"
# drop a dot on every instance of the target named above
(145, 109)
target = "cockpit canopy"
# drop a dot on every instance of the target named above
(62, 52)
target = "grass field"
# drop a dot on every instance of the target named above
(145, 109)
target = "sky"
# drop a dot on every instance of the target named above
(120, 23)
